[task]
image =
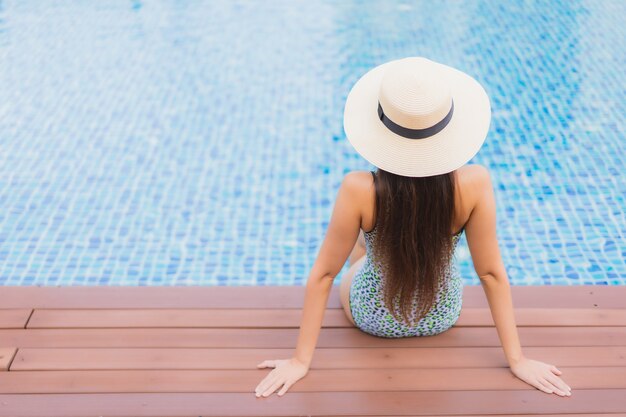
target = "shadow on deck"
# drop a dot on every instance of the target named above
(193, 351)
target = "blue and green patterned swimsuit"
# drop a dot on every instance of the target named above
(371, 315)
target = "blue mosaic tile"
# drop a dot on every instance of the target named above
(187, 142)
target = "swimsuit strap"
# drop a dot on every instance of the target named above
(372, 231)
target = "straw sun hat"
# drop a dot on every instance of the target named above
(416, 117)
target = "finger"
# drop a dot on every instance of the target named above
(555, 380)
(273, 387)
(555, 386)
(267, 380)
(264, 384)
(543, 386)
(284, 389)
(555, 370)
(551, 386)
(266, 364)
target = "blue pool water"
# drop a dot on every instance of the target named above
(188, 142)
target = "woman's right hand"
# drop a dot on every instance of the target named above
(541, 376)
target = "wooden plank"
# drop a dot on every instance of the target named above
(287, 338)
(14, 318)
(317, 380)
(474, 415)
(557, 296)
(547, 317)
(492, 415)
(6, 356)
(33, 359)
(516, 415)
(278, 318)
(392, 403)
(433, 415)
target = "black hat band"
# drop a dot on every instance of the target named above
(415, 133)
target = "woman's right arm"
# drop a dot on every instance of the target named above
(483, 245)
(480, 231)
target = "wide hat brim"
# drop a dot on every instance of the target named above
(441, 153)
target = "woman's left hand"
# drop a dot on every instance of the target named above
(286, 373)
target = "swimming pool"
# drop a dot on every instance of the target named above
(188, 142)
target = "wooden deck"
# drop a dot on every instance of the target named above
(193, 351)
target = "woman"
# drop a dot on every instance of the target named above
(419, 122)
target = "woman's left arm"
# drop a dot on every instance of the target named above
(341, 236)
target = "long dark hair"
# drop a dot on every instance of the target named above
(413, 240)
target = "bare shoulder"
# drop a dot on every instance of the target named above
(359, 180)
(474, 175)
(360, 185)
(473, 180)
